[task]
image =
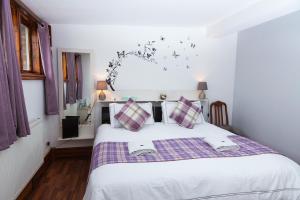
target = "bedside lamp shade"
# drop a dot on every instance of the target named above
(202, 86)
(101, 85)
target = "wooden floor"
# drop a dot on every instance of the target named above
(65, 179)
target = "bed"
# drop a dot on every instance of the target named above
(265, 176)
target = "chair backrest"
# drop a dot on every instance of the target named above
(218, 113)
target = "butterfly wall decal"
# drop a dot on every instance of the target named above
(175, 55)
(147, 51)
(121, 54)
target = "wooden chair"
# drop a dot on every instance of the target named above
(219, 116)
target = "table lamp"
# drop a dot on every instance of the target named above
(202, 86)
(101, 85)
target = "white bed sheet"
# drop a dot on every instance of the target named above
(259, 177)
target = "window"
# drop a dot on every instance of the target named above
(25, 47)
(27, 44)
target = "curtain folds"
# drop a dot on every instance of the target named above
(51, 101)
(79, 77)
(11, 83)
(71, 82)
(7, 126)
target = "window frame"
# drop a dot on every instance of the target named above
(20, 16)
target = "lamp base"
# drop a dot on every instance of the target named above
(202, 94)
(102, 96)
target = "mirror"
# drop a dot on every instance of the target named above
(75, 85)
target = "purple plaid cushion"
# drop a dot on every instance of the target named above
(186, 113)
(132, 116)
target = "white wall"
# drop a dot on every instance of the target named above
(34, 99)
(266, 100)
(215, 63)
(20, 162)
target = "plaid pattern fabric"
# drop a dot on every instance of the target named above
(172, 150)
(186, 113)
(132, 116)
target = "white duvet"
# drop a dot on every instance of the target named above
(259, 177)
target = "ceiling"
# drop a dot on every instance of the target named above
(137, 12)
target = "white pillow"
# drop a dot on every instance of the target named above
(167, 108)
(114, 108)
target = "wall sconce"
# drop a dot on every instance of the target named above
(101, 85)
(202, 86)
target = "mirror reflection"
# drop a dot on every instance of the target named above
(77, 95)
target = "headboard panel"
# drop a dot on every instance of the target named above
(157, 114)
(105, 115)
(103, 109)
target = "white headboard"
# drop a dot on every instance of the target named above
(151, 95)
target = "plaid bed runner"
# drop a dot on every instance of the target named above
(172, 150)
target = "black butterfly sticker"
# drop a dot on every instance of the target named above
(175, 55)
(121, 54)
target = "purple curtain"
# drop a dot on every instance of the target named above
(79, 76)
(13, 97)
(50, 88)
(71, 82)
(7, 127)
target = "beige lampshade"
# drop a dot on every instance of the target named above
(101, 85)
(202, 86)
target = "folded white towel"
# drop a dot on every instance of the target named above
(139, 148)
(221, 143)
